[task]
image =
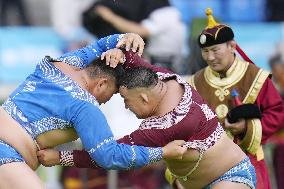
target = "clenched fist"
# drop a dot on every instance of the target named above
(48, 157)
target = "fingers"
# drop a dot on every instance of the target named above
(103, 56)
(227, 125)
(40, 153)
(135, 45)
(174, 150)
(141, 49)
(121, 43)
(128, 44)
(235, 128)
(48, 157)
(183, 150)
(113, 57)
(180, 152)
(125, 43)
(132, 41)
(179, 142)
(108, 58)
(122, 59)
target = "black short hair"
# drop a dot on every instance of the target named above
(98, 68)
(138, 77)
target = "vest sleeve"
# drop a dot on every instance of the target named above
(134, 60)
(76, 158)
(148, 137)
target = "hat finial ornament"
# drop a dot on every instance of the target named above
(211, 21)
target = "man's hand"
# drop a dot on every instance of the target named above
(113, 57)
(237, 128)
(48, 157)
(174, 150)
(132, 41)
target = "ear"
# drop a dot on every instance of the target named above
(144, 97)
(102, 82)
(100, 86)
(233, 44)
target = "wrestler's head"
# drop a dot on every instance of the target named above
(103, 82)
(217, 44)
(142, 91)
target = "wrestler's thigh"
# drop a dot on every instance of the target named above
(231, 185)
(18, 175)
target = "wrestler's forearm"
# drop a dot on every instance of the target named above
(81, 158)
(84, 56)
(98, 140)
(77, 158)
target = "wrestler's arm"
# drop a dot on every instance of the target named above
(97, 138)
(146, 137)
(84, 56)
(272, 108)
(82, 159)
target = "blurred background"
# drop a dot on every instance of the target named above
(31, 29)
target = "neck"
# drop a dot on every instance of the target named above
(162, 88)
(79, 76)
(84, 80)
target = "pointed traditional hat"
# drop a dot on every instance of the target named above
(214, 33)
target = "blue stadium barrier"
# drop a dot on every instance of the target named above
(196, 8)
(244, 10)
(259, 46)
(21, 48)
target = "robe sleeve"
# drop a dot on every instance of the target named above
(272, 109)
